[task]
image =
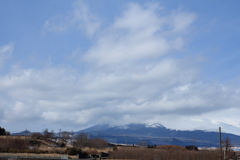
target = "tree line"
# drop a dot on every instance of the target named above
(80, 140)
(4, 132)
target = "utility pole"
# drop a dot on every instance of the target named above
(125, 140)
(220, 143)
(59, 134)
(72, 137)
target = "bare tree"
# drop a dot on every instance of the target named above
(227, 146)
(4, 132)
(36, 136)
(48, 135)
(66, 135)
(81, 140)
(7, 133)
(97, 143)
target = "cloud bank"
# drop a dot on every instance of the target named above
(132, 74)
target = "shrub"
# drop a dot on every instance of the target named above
(62, 144)
(191, 148)
(73, 151)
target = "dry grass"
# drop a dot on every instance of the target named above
(30, 154)
(96, 151)
(171, 147)
(52, 149)
(15, 137)
(155, 154)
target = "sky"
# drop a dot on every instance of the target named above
(73, 64)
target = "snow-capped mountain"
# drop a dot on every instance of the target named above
(157, 134)
(154, 125)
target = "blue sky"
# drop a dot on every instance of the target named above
(73, 64)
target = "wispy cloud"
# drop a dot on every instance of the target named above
(56, 24)
(139, 34)
(79, 17)
(180, 21)
(5, 52)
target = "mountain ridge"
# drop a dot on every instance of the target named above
(157, 134)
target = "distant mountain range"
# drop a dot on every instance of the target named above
(142, 134)
(158, 134)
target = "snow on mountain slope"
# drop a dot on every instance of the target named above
(154, 125)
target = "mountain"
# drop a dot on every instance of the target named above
(157, 134)
(23, 133)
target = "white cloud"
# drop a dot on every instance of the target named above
(167, 89)
(80, 16)
(5, 53)
(84, 18)
(139, 34)
(182, 20)
(6, 49)
(135, 17)
(56, 24)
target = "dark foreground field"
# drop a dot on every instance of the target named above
(25, 159)
(175, 153)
